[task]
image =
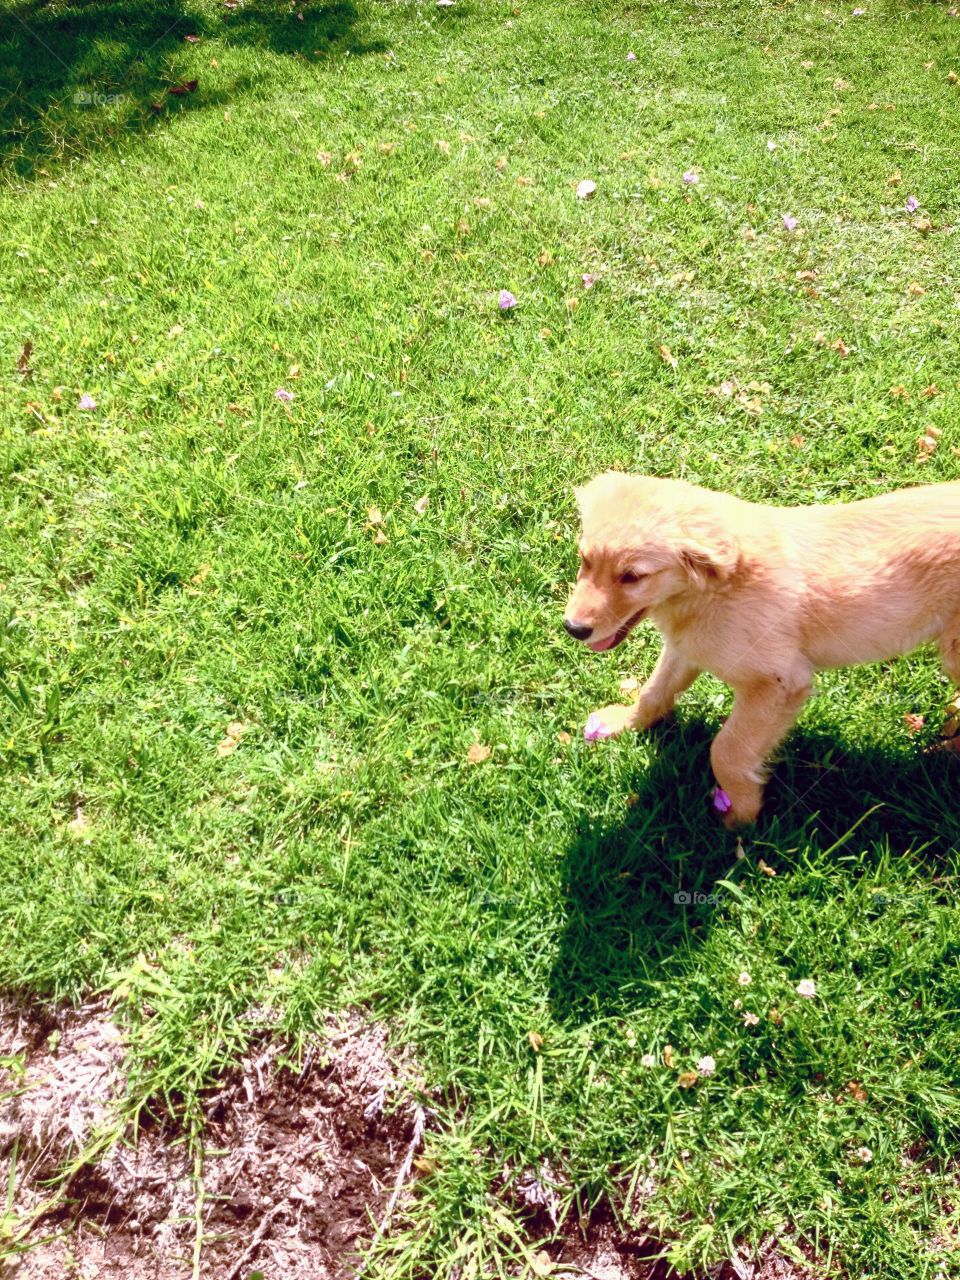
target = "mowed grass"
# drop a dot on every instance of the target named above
(239, 703)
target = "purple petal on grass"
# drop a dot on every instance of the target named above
(631, 56)
(790, 222)
(721, 801)
(912, 205)
(283, 394)
(690, 178)
(858, 13)
(595, 729)
(589, 280)
(87, 401)
(505, 300)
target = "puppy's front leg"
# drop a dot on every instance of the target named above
(763, 712)
(669, 678)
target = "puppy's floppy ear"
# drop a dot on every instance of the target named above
(708, 557)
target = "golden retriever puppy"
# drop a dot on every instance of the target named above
(761, 597)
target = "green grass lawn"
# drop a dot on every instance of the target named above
(367, 579)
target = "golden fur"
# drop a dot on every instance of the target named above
(761, 597)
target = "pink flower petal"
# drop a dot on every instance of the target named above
(790, 222)
(505, 300)
(690, 178)
(87, 401)
(631, 56)
(283, 394)
(912, 205)
(721, 801)
(595, 729)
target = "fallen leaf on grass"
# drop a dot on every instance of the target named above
(421, 504)
(536, 1040)
(927, 443)
(922, 224)
(929, 392)
(913, 722)
(841, 347)
(687, 1079)
(764, 869)
(916, 289)
(856, 1091)
(181, 90)
(374, 515)
(564, 738)
(806, 275)
(667, 356)
(479, 752)
(586, 189)
(723, 390)
(235, 731)
(23, 360)
(899, 392)
(668, 1055)
(752, 404)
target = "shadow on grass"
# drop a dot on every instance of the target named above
(638, 892)
(76, 78)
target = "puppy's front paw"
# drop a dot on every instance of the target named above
(608, 722)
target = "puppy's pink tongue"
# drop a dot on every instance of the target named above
(598, 646)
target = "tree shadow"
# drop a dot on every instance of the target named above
(78, 78)
(640, 892)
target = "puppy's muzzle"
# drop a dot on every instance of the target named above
(579, 630)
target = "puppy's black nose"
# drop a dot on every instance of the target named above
(578, 630)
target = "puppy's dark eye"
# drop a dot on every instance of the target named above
(629, 577)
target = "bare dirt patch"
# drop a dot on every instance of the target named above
(297, 1165)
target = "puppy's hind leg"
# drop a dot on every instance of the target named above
(763, 712)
